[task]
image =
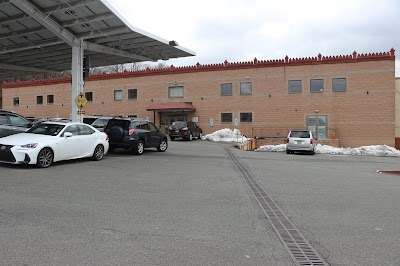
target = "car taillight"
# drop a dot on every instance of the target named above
(185, 128)
(311, 141)
(106, 137)
(131, 131)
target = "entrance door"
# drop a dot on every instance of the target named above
(317, 125)
(169, 117)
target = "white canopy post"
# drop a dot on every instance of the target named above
(76, 80)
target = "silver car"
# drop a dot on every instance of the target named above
(300, 141)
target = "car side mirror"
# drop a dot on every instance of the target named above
(67, 134)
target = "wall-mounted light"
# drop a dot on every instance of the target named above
(151, 100)
(173, 43)
(269, 95)
(367, 92)
(202, 98)
(316, 111)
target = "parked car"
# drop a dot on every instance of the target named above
(185, 129)
(135, 134)
(101, 122)
(89, 119)
(12, 123)
(49, 142)
(300, 141)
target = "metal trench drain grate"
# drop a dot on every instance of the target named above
(300, 250)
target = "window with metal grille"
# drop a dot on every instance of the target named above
(132, 94)
(246, 117)
(39, 99)
(50, 99)
(226, 117)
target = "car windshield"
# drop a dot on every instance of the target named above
(300, 134)
(46, 129)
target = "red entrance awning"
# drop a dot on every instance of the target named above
(188, 107)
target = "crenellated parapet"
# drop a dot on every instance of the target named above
(226, 65)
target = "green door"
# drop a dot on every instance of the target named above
(318, 125)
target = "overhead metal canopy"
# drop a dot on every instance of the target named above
(36, 36)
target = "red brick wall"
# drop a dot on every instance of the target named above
(363, 115)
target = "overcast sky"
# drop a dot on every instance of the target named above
(241, 30)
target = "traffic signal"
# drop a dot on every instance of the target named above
(86, 66)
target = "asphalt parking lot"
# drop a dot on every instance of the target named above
(190, 206)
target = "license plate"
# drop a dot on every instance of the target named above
(176, 130)
(299, 142)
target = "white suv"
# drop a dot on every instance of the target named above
(301, 141)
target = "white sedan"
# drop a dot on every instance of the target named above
(50, 142)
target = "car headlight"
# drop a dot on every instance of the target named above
(29, 146)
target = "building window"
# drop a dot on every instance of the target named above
(89, 96)
(294, 86)
(316, 85)
(246, 88)
(226, 117)
(132, 94)
(16, 101)
(118, 95)
(246, 117)
(175, 92)
(339, 84)
(226, 89)
(50, 99)
(39, 99)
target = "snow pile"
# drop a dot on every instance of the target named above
(280, 147)
(374, 150)
(226, 135)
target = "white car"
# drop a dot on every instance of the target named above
(50, 142)
(300, 141)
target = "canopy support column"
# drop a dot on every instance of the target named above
(76, 80)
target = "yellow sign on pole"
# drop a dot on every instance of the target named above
(81, 100)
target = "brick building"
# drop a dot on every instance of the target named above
(349, 99)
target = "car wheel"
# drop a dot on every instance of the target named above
(190, 138)
(172, 138)
(139, 149)
(200, 135)
(98, 153)
(288, 152)
(162, 146)
(116, 133)
(45, 158)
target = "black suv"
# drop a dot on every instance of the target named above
(185, 130)
(135, 134)
(12, 123)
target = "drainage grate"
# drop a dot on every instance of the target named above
(300, 250)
